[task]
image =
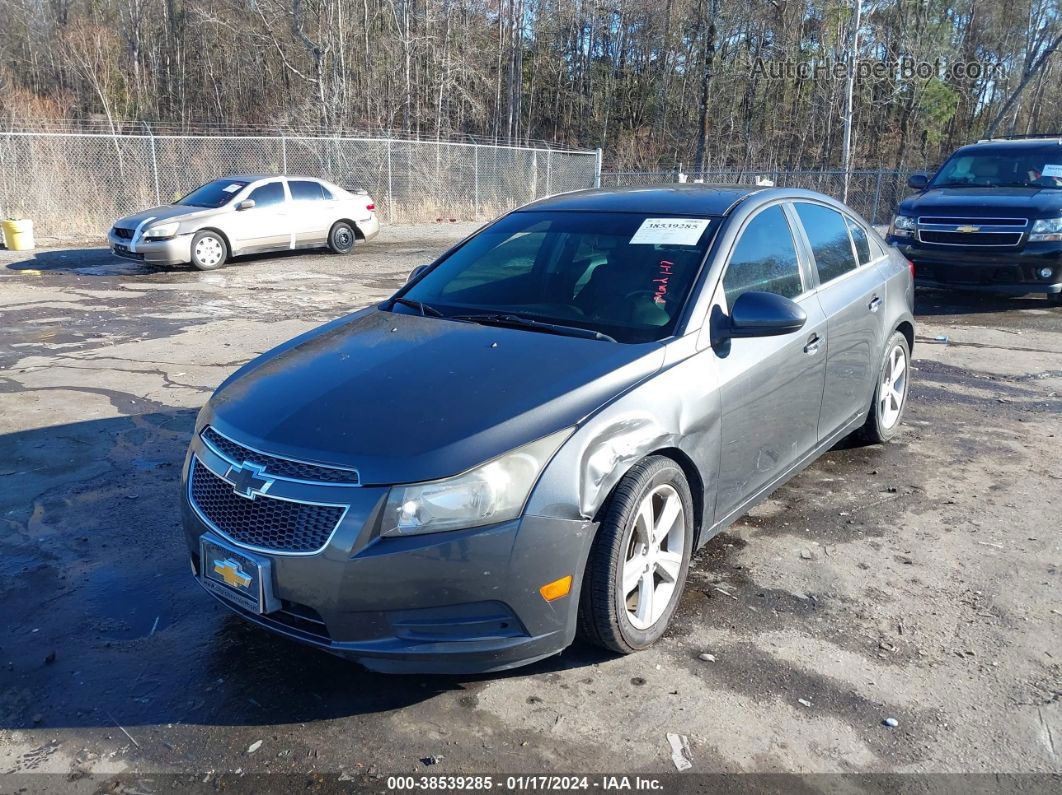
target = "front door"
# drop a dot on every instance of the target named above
(267, 224)
(770, 387)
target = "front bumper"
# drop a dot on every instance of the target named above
(175, 251)
(992, 270)
(454, 602)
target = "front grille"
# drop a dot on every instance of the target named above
(263, 522)
(278, 467)
(124, 234)
(970, 238)
(953, 221)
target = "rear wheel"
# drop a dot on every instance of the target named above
(890, 392)
(341, 237)
(638, 563)
(209, 250)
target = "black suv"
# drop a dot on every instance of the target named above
(989, 220)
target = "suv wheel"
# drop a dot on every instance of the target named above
(209, 250)
(341, 238)
(639, 559)
(890, 392)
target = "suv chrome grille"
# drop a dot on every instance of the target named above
(264, 522)
(986, 232)
(276, 466)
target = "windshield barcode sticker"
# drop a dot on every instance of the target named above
(1052, 170)
(670, 232)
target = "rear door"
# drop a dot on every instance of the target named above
(312, 211)
(770, 387)
(266, 225)
(852, 295)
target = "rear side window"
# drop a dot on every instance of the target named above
(268, 195)
(764, 258)
(828, 234)
(862, 243)
(303, 190)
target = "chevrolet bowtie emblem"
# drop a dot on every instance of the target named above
(231, 573)
(967, 228)
(247, 480)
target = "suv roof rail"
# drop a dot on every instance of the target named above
(1022, 137)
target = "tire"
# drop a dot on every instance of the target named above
(1054, 299)
(622, 622)
(341, 238)
(209, 250)
(890, 389)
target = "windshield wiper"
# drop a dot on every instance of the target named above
(420, 306)
(518, 321)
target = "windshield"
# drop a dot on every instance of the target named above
(1024, 167)
(214, 194)
(624, 275)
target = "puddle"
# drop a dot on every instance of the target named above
(129, 602)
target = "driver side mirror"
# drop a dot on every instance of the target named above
(760, 314)
(246, 204)
(917, 181)
(413, 274)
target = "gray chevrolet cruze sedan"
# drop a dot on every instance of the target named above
(530, 438)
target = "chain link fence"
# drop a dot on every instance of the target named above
(873, 193)
(75, 185)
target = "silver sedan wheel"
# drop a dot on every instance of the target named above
(209, 251)
(654, 556)
(893, 388)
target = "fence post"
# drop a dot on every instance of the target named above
(549, 174)
(390, 184)
(877, 198)
(475, 170)
(283, 154)
(597, 169)
(154, 163)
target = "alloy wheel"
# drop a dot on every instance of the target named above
(893, 388)
(653, 561)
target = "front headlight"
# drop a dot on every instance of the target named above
(903, 226)
(1046, 229)
(161, 231)
(492, 492)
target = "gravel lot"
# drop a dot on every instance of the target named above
(917, 581)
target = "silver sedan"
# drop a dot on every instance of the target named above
(247, 214)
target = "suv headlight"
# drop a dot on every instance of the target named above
(903, 226)
(1046, 229)
(161, 231)
(492, 492)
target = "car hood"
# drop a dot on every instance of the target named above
(985, 202)
(405, 398)
(163, 213)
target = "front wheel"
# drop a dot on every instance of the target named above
(209, 250)
(890, 392)
(341, 238)
(639, 559)
(1054, 299)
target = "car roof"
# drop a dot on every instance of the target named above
(256, 177)
(678, 199)
(1010, 145)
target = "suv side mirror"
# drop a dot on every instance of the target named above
(760, 314)
(413, 274)
(917, 181)
(246, 204)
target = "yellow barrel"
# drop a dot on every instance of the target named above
(18, 233)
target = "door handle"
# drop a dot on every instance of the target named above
(875, 304)
(813, 345)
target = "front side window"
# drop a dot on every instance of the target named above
(268, 195)
(214, 194)
(1016, 167)
(304, 190)
(764, 258)
(626, 275)
(827, 232)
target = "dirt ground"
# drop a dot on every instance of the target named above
(917, 581)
